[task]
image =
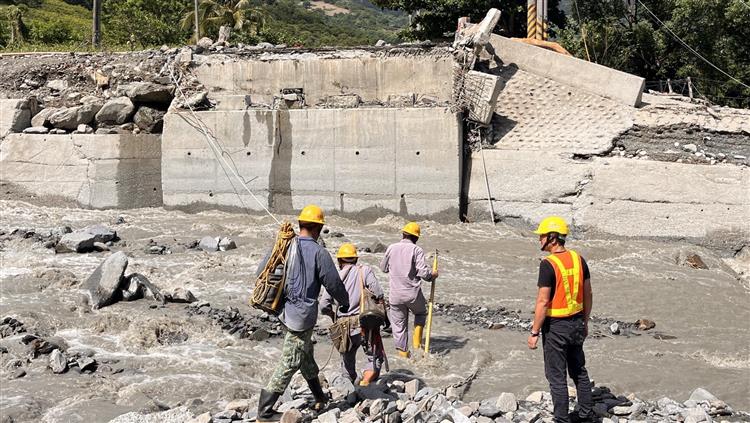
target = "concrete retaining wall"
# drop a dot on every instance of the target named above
(372, 77)
(596, 79)
(617, 196)
(348, 160)
(97, 171)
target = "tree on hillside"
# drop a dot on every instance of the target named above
(240, 15)
(148, 22)
(432, 19)
(18, 30)
(649, 42)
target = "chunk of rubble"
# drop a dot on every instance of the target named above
(82, 241)
(103, 286)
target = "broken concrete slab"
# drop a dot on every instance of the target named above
(596, 79)
(480, 92)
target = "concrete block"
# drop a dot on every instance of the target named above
(481, 91)
(97, 171)
(580, 74)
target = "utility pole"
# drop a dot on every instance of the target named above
(197, 26)
(96, 33)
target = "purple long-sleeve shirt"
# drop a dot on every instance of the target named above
(350, 274)
(405, 264)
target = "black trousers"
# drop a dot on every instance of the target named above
(562, 339)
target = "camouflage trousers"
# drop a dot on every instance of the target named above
(297, 354)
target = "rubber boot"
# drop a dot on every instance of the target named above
(266, 413)
(403, 354)
(416, 341)
(367, 377)
(321, 399)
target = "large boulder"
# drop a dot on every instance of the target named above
(71, 117)
(116, 111)
(82, 241)
(149, 119)
(58, 362)
(15, 116)
(42, 118)
(146, 92)
(104, 284)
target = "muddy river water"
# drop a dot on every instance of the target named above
(705, 314)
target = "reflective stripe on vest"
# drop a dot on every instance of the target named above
(568, 299)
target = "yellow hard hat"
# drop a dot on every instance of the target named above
(411, 228)
(552, 224)
(313, 214)
(347, 251)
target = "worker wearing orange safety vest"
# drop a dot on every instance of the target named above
(561, 316)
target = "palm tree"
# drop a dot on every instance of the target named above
(237, 14)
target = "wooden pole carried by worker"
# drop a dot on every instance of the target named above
(428, 327)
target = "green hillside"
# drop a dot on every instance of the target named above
(135, 24)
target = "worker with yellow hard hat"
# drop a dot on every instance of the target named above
(406, 266)
(561, 316)
(359, 280)
(308, 268)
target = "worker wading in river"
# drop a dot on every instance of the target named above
(308, 267)
(561, 317)
(405, 264)
(365, 333)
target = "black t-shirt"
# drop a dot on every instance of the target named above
(547, 275)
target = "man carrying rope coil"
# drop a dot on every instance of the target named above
(307, 267)
(355, 327)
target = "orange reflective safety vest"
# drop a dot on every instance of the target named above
(568, 299)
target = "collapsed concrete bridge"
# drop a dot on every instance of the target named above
(376, 131)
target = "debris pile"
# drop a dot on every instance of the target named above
(244, 326)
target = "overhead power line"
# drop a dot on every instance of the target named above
(692, 50)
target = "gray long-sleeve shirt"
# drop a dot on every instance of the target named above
(350, 274)
(312, 267)
(405, 264)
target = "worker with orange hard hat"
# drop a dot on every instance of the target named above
(406, 266)
(561, 316)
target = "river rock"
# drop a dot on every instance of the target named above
(42, 118)
(226, 244)
(84, 129)
(58, 362)
(645, 324)
(149, 119)
(411, 388)
(488, 409)
(115, 111)
(695, 261)
(86, 363)
(104, 283)
(82, 241)
(239, 405)
(342, 384)
(291, 416)
(131, 290)
(18, 373)
(701, 394)
(376, 247)
(614, 328)
(330, 416)
(209, 244)
(146, 92)
(180, 295)
(205, 43)
(36, 130)
(57, 84)
(203, 418)
(176, 415)
(150, 291)
(71, 117)
(507, 402)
